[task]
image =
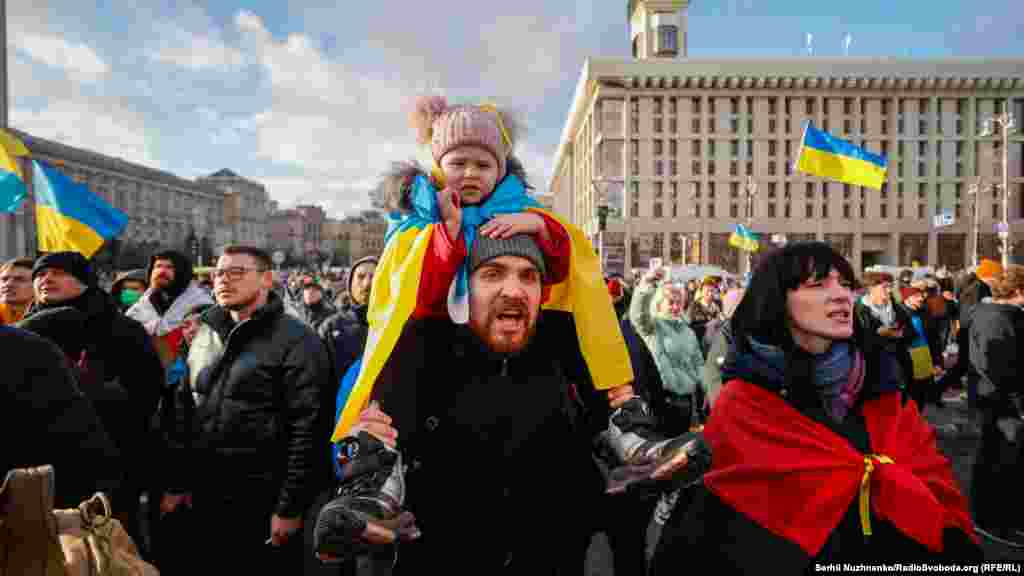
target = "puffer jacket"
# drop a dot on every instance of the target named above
(260, 420)
(674, 345)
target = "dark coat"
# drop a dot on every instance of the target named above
(261, 424)
(123, 375)
(45, 419)
(345, 333)
(494, 433)
(703, 526)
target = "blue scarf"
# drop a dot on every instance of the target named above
(509, 197)
(834, 377)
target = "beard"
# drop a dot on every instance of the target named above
(503, 335)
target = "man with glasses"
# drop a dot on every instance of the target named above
(15, 289)
(258, 378)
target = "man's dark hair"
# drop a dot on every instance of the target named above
(260, 255)
(872, 279)
(762, 313)
(26, 263)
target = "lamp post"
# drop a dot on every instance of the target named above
(197, 230)
(603, 210)
(1006, 124)
(975, 191)
(751, 191)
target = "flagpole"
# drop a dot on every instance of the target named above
(751, 189)
(3, 64)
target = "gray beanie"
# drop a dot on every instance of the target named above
(522, 245)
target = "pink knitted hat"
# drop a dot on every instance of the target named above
(446, 128)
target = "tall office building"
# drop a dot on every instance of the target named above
(672, 144)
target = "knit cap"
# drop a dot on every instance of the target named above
(71, 262)
(989, 269)
(522, 245)
(447, 127)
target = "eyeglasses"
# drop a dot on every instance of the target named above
(234, 272)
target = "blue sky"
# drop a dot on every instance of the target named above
(310, 96)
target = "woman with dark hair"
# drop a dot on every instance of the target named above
(814, 455)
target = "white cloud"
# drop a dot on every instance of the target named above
(196, 51)
(79, 60)
(101, 126)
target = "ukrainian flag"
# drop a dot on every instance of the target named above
(745, 239)
(822, 154)
(393, 297)
(69, 216)
(12, 179)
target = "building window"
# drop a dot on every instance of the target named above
(695, 128)
(750, 168)
(658, 148)
(995, 211)
(634, 194)
(696, 210)
(734, 211)
(695, 167)
(695, 189)
(809, 210)
(750, 149)
(636, 167)
(957, 210)
(711, 167)
(672, 150)
(771, 210)
(846, 126)
(885, 190)
(771, 189)
(658, 167)
(675, 167)
(920, 211)
(734, 105)
(695, 104)
(711, 210)
(657, 210)
(825, 124)
(846, 191)
(711, 190)
(673, 125)
(846, 211)
(734, 189)
(899, 211)
(711, 125)
(734, 125)
(672, 106)
(771, 168)
(809, 191)
(824, 210)
(733, 168)
(863, 211)
(657, 125)
(771, 125)
(734, 148)
(711, 147)
(885, 125)
(787, 211)
(695, 147)
(809, 106)
(771, 148)
(922, 190)
(883, 210)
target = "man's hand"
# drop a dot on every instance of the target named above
(450, 205)
(508, 225)
(377, 424)
(281, 529)
(171, 502)
(618, 396)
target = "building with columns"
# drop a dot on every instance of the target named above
(671, 145)
(165, 211)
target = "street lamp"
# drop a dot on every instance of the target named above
(604, 210)
(751, 191)
(1006, 124)
(975, 190)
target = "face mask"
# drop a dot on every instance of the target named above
(129, 297)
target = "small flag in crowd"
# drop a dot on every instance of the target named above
(12, 180)
(69, 216)
(822, 154)
(745, 239)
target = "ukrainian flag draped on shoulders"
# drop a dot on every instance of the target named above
(393, 297)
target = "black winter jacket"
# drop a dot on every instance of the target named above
(345, 334)
(45, 419)
(491, 437)
(123, 377)
(260, 425)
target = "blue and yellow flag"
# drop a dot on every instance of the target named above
(393, 297)
(822, 154)
(745, 239)
(69, 216)
(12, 179)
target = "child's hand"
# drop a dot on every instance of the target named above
(508, 225)
(451, 211)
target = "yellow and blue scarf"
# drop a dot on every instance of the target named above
(393, 297)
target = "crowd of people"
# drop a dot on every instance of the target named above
(776, 417)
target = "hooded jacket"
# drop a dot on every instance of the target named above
(345, 332)
(673, 343)
(137, 275)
